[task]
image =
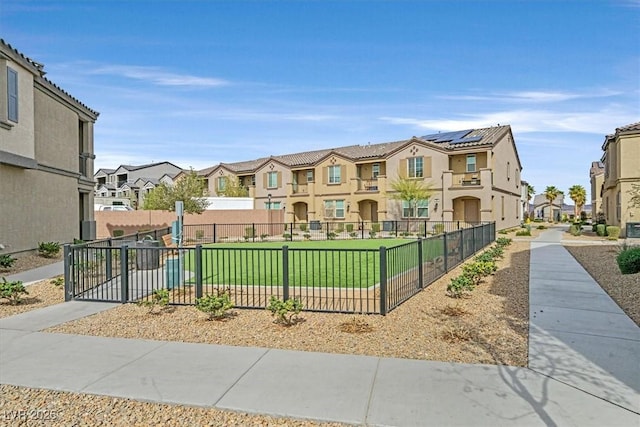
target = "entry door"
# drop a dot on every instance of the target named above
(374, 212)
(471, 210)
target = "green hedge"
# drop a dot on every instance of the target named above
(629, 260)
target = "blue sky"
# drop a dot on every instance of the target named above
(202, 82)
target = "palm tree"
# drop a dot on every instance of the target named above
(411, 191)
(550, 193)
(531, 191)
(579, 196)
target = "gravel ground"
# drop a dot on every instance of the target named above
(28, 262)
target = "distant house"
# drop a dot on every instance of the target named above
(46, 158)
(621, 171)
(541, 208)
(129, 184)
(475, 175)
(596, 176)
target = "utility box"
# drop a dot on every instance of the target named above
(633, 230)
(147, 254)
(173, 272)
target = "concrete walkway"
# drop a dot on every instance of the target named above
(584, 367)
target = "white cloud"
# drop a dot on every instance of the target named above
(158, 76)
(534, 96)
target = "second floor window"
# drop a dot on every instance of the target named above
(471, 163)
(310, 175)
(12, 95)
(375, 170)
(415, 167)
(272, 179)
(334, 174)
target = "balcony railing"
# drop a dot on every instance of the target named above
(299, 189)
(368, 184)
(466, 179)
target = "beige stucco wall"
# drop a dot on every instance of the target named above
(56, 134)
(596, 199)
(279, 193)
(20, 138)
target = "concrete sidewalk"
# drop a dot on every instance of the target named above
(41, 273)
(583, 354)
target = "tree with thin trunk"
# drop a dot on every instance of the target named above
(411, 191)
(551, 193)
(233, 188)
(579, 196)
(531, 191)
(190, 189)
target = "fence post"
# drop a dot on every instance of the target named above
(68, 286)
(285, 272)
(383, 280)
(446, 254)
(109, 260)
(462, 257)
(420, 264)
(215, 232)
(124, 274)
(198, 271)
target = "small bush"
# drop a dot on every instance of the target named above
(484, 257)
(503, 241)
(541, 227)
(216, 306)
(477, 270)
(372, 234)
(331, 235)
(538, 220)
(601, 230)
(629, 260)
(353, 234)
(159, 299)
(118, 233)
(497, 252)
(57, 281)
(263, 237)
(613, 232)
(523, 233)
(340, 228)
(303, 227)
(375, 227)
(249, 233)
(307, 236)
(199, 234)
(12, 291)
(286, 236)
(6, 261)
(459, 286)
(286, 312)
(349, 228)
(575, 230)
(503, 232)
(438, 228)
(49, 249)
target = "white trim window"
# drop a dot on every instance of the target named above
(471, 162)
(375, 170)
(222, 184)
(334, 173)
(272, 179)
(334, 208)
(422, 207)
(415, 167)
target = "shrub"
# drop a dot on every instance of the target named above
(537, 220)
(601, 229)
(286, 312)
(459, 286)
(613, 232)
(57, 281)
(303, 227)
(353, 234)
(438, 228)
(49, 249)
(286, 236)
(503, 241)
(497, 252)
(541, 227)
(340, 228)
(118, 233)
(307, 236)
(575, 230)
(249, 233)
(349, 228)
(6, 261)
(12, 291)
(199, 234)
(375, 227)
(263, 237)
(484, 257)
(159, 299)
(629, 260)
(216, 306)
(503, 232)
(372, 234)
(331, 235)
(523, 233)
(477, 270)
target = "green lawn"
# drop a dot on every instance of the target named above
(327, 263)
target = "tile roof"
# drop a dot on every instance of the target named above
(627, 128)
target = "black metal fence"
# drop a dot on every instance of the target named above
(334, 280)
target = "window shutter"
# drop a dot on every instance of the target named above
(325, 172)
(402, 170)
(12, 89)
(279, 179)
(343, 174)
(265, 180)
(427, 167)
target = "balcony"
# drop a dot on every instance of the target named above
(299, 189)
(466, 179)
(369, 185)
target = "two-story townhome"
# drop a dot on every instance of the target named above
(129, 184)
(46, 158)
(621, 172)
(474, 176)
(542, 209)
(596, 177)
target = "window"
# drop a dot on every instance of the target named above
(272, 205)
(12, 95)
(272, 179)
(375, 170)
(334, 208)
(334, 174)
(222, 184)
(618, 206)
(310, 175)
(422, 206)
(471, 163)
(415, 167)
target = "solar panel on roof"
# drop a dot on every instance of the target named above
(447, 136)
(464, 140)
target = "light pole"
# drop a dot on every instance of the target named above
(269, 209)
